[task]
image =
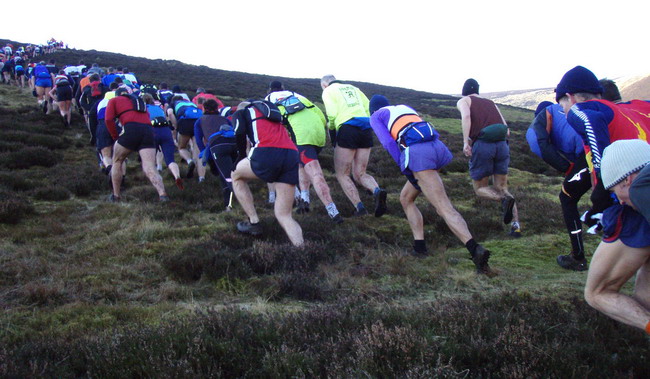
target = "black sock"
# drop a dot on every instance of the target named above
(471, 246)
(419, 246)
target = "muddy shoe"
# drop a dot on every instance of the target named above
(380, 203)
(480, 259)
(337, 219)
(570, 263)
(248, 228)
(190, 170)
(507, 203)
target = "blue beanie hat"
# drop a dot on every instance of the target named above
(578, 79)
(377, 102)
(542, 106)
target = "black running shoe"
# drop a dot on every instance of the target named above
(480, 259)
(114, 199)
(418, 254)
(303, 207)
(190, 170)
(337, 219)
(380, 203)
(570, 263)
(163, 198)
(248, 228)
(507, 203)
(360, 212)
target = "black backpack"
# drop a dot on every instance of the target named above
(268, 110)
(137, 103)
(292, 104)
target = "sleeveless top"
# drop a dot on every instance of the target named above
(483, 112)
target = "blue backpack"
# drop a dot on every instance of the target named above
(417, 132)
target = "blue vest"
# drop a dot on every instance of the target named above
(563, 136)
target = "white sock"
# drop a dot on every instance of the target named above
(271, 197)
(331, 210)
(304, 195)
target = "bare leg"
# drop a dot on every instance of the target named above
(173, 167)
(242, 174)
(434, 191)
(119, 155)
(107, 156)
(359, 165)
(282, 210)
(148, 157)
(612, 266)
(314, 173)
(485, 191)
(200, 168)
(343, 166)
(413, 215)
(182, 147)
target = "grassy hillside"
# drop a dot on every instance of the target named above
(94, 289)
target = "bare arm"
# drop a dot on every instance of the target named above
(463, 106)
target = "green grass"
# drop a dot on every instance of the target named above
(90, 288)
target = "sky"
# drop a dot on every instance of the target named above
(432, 46)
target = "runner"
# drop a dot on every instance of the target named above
(62, 92)
(414, 145)
(215, 139)
(137, 135)
(104, 141)
(307, 125)
(347, 112)
(201, 94)
(485, 136)
(272, 158)
(625, 249)
(163, 137)
(183, 114)
(42, 80)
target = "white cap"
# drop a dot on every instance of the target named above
(622, 158)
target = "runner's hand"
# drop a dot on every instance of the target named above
(467, 150)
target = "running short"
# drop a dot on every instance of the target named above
(103, 138)
(45, 83)
(63, 93)
(272, 164)
(20, 73)
(308, 153)
(136, 136)
(489, 158)
(186, 126)
(431, 155)
(165, 143)
(352, 137)
(624, 223)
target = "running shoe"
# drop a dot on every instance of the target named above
(507, 203)
(248, 228)
(114, 199)
(515, 230)
(480, 259)
(360, 212)
(570, 263)
(190, 170)
(179, 184)
(380, 203)
(302, 207)
(419, 255)
(163, 199)
(337, 219)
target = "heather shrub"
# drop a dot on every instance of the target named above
(13, 208)
(52, 193)
(30, 156)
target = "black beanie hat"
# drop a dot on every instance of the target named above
(470, 87)
(578, 79)
(377, 102)
(176, 89)
(276, 85)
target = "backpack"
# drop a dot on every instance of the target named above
(41, 72)
(187, 110)
(268, 110)
(137, 103)
(96, 88)
(292, 104)
(165, 95)
(151, 90)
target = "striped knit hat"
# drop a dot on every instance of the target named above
(623, 158)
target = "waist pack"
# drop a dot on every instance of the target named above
(493, 133)
(159, 122)
(291, 104)
(417, 132)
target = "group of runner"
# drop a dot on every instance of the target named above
(278, 138)
(17, 63)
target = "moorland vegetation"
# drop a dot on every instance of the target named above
(145, 289)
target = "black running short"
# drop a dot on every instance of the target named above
(272, 164)
(308, 153)
(63, 93)
(136, 136)
(186, 126)
(352, 137)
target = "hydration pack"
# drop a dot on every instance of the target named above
(417, 132)
(268, 110)
(137, 104)
(291, 104)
